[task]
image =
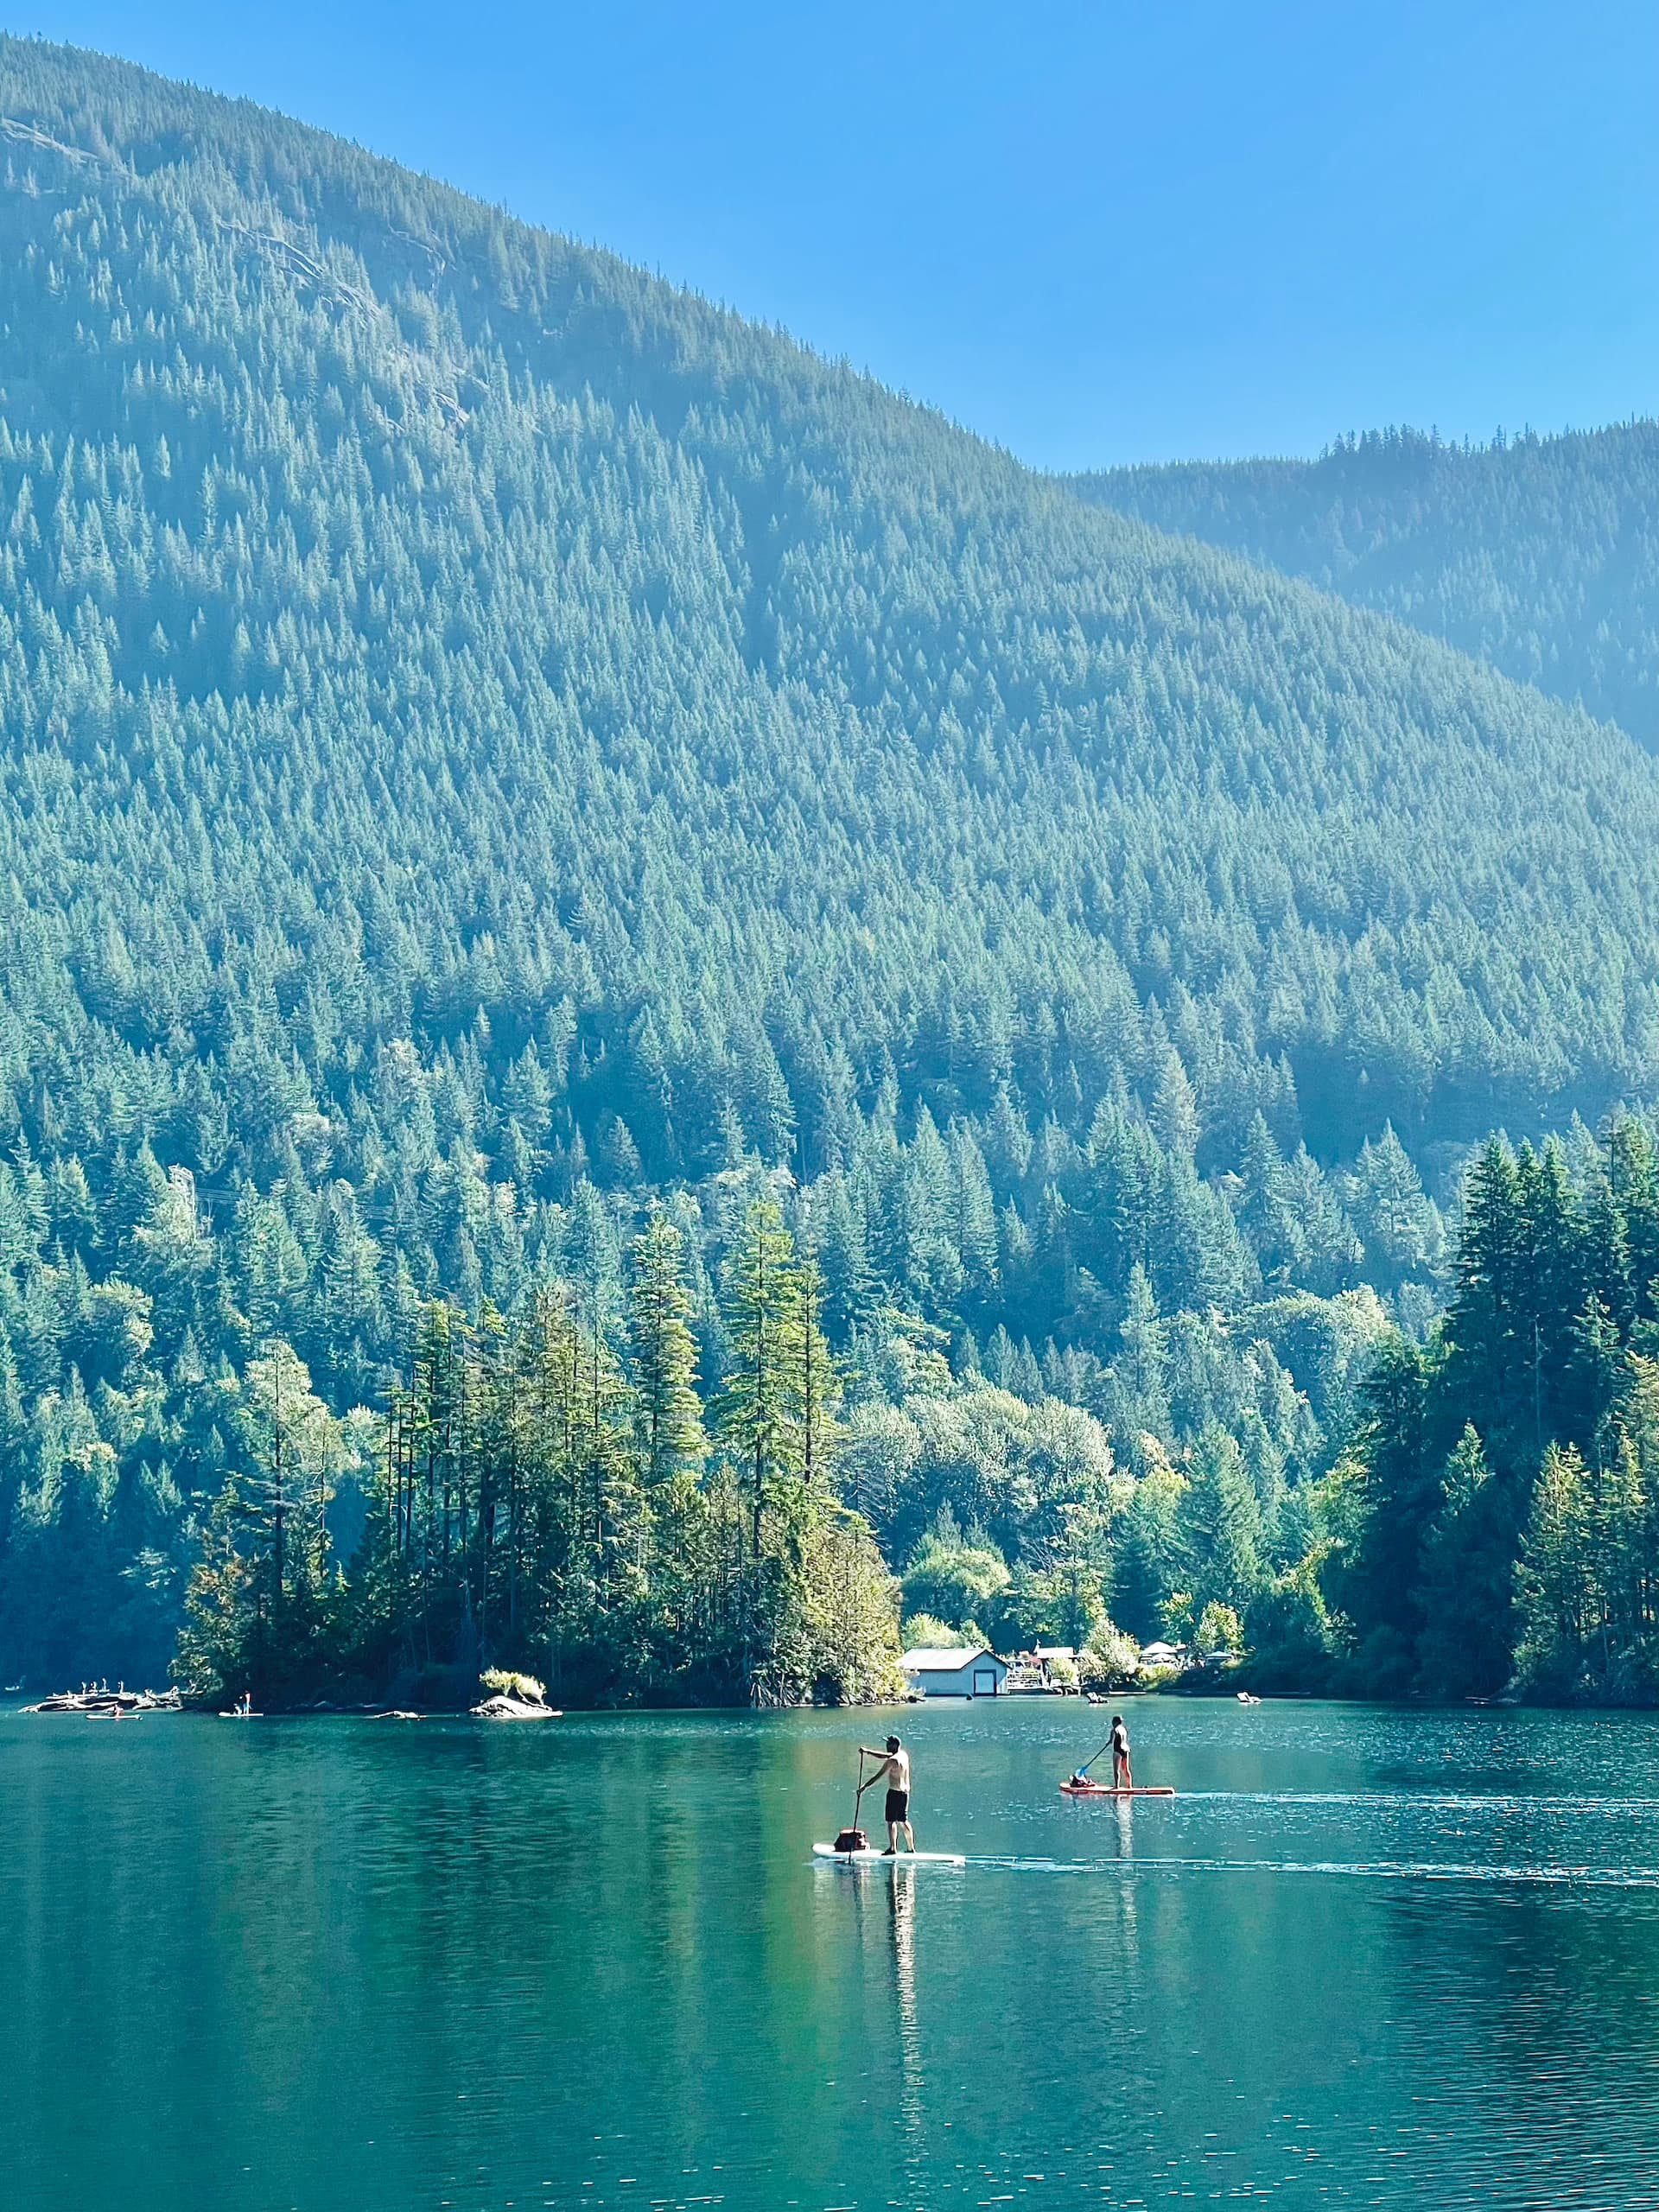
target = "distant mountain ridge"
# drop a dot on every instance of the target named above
(1540, 554)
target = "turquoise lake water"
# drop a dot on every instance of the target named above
(1365, 1957)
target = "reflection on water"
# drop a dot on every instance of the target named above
(1366, 1957)
(901, 1917)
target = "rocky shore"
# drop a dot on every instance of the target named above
(103, 1703)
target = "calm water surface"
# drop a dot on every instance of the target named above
(1365, 1957)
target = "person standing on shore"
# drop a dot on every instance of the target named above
(896, 1761)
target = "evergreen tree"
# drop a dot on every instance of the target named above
(664, 1356)
(1466, 1646)
(761, 1414)
(1222, 1523)
(1555, 1592)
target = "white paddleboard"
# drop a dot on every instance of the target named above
(888, 1857)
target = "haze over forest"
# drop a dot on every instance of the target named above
(497, 752)
(1535, 554)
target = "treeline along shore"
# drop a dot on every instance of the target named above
(553, 1493)
(556, 1490)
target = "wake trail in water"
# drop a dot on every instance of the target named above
(1379, 1870)
(1470, 1800)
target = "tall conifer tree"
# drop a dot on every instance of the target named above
(668, 1412)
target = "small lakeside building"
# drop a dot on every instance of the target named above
(1051, 1668)
(954, 1672)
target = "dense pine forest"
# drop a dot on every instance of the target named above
(1539, 554)
(655, 1009)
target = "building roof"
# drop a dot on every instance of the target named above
(1055, 1651)
(944, 1659)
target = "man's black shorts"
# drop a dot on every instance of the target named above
(898, 1805)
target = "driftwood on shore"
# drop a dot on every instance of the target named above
(102, 1704)
(108, 1703)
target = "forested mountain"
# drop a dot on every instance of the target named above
(1539, 554)
(490, 741)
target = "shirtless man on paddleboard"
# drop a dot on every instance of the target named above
(896, 1762)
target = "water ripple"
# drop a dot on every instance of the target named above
(1395, 1870)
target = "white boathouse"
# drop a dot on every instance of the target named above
(954, 1672)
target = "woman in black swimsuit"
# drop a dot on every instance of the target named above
(1121, 1778)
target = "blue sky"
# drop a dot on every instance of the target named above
(1095, 230)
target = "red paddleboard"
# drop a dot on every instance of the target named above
(1105, 1790)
